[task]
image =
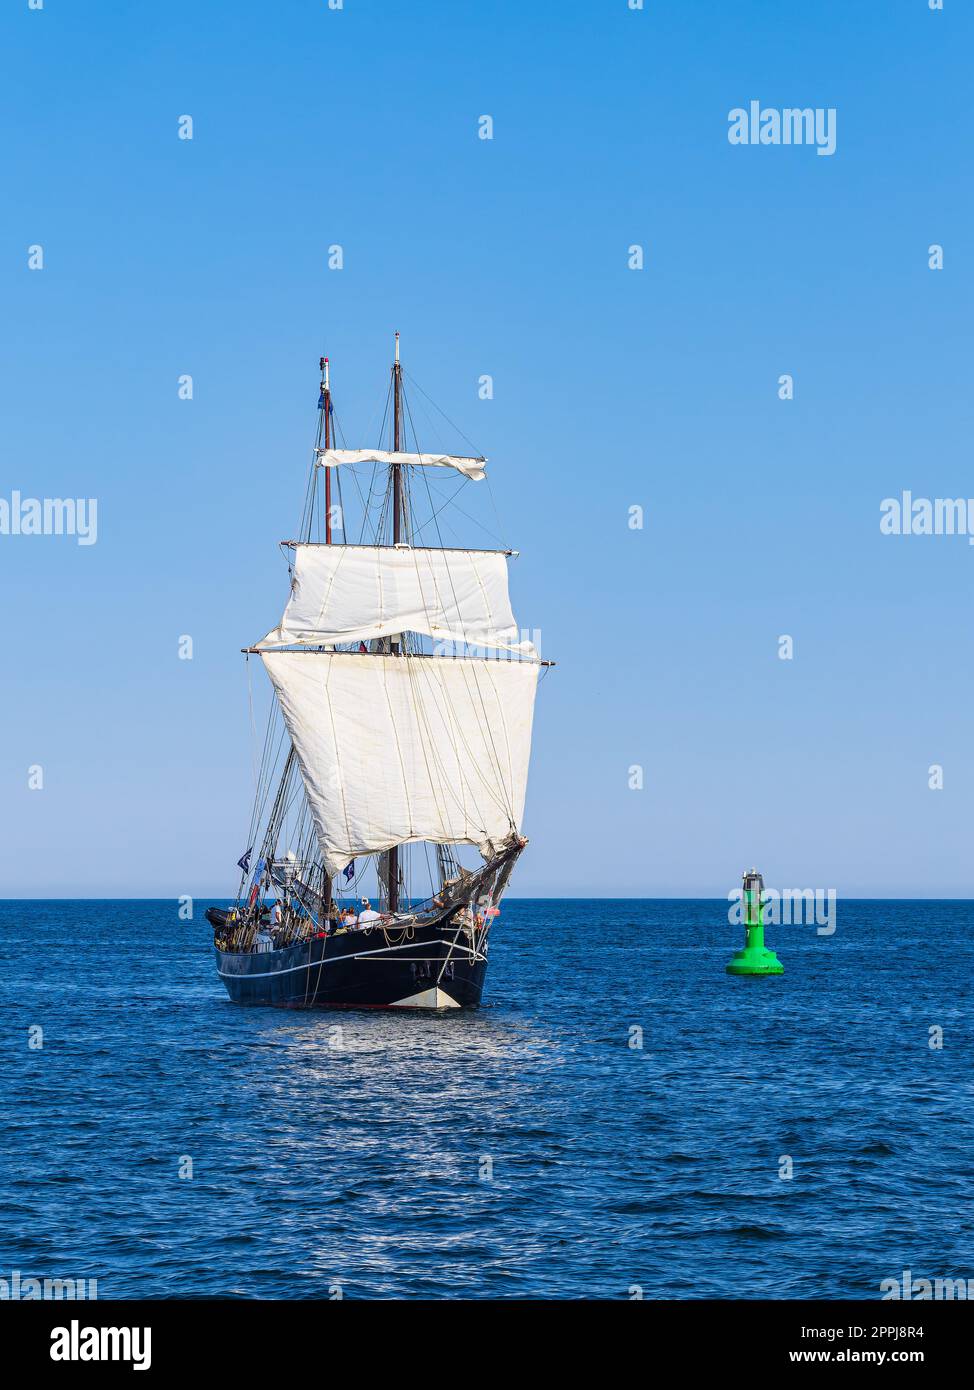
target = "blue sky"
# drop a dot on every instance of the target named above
(613, 388)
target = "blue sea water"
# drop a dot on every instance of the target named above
(525, 1150)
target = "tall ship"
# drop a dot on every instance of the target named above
(391, 787)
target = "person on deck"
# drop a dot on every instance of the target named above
(367, 914)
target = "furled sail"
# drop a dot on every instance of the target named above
(472, 468)
(343, 593)
(394, 749)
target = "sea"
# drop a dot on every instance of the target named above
(621, 1119)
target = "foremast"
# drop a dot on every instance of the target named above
(321, 893)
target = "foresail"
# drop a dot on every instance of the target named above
(472, 468)
(394, 749)
(342, 594)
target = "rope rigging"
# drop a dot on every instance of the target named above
(463, 772)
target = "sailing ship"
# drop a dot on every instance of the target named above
(397, 746)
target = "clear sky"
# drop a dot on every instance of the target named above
(613, 388)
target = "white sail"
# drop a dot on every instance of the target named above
(394, 749)
(345, 593)
(472, 468)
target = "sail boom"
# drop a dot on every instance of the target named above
(411, 656)
(402, 545)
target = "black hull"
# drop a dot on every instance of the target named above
(360, 970)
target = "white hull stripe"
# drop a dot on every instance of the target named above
(336, 960)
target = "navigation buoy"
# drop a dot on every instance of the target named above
(754, 958)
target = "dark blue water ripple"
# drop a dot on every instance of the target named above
(525, 1150)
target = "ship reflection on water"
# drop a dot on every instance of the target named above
(382, 1058)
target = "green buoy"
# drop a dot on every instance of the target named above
(755, 958)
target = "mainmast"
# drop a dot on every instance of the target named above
(326, 393)
(392, 885)
(323, 440)
(326, 408)
(397, 446)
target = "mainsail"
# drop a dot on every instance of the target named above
(397, 749)
(343, 593)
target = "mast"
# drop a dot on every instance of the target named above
(397, 445)
(326, 393)
(392, 888)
